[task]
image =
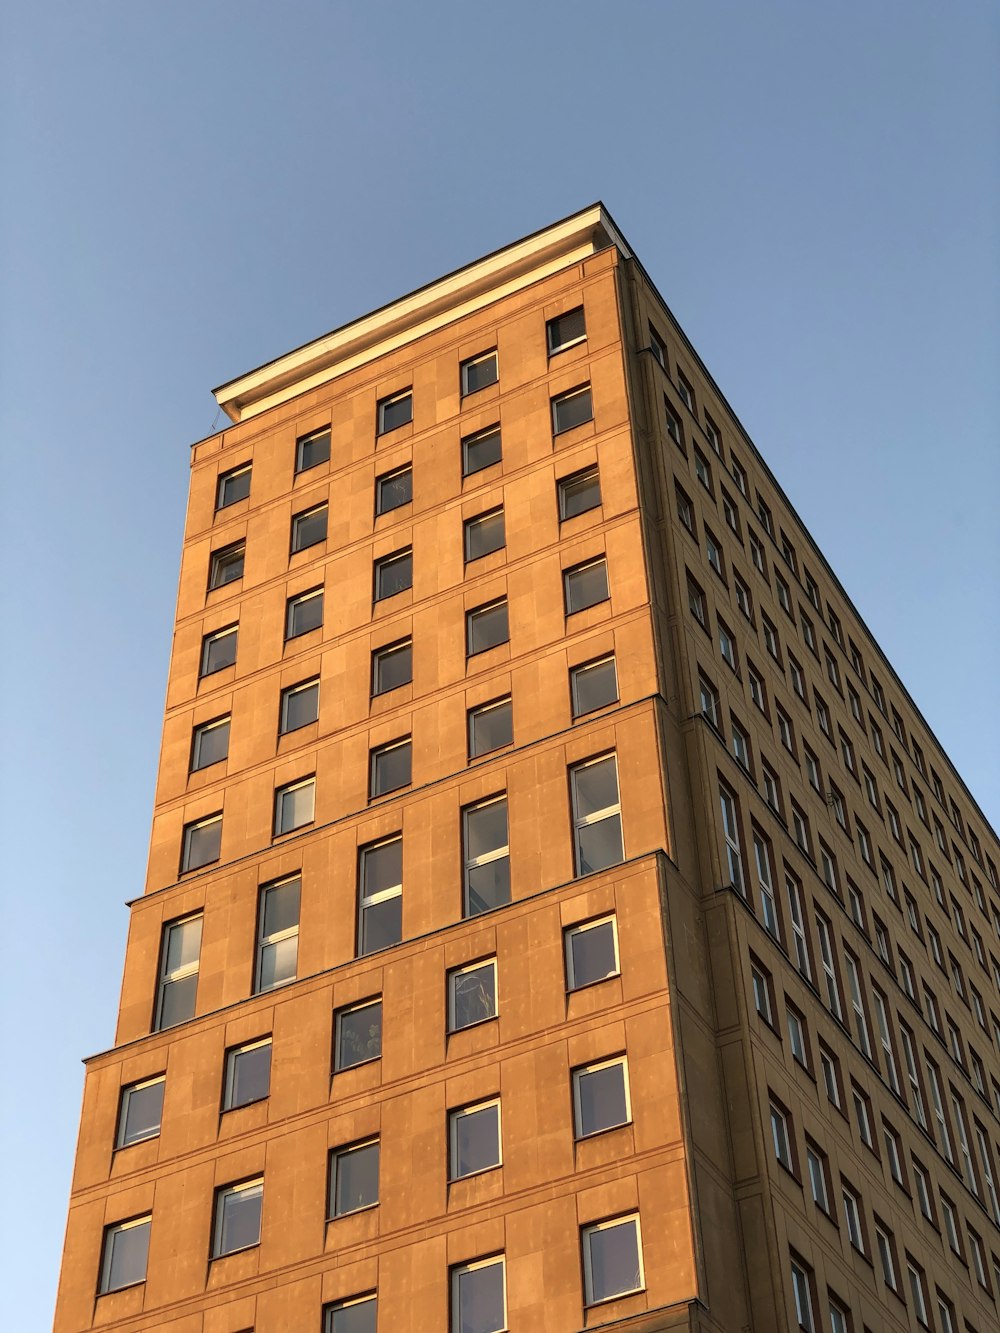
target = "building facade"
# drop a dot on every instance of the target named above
(558, 914)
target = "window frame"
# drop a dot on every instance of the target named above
(595, 1067)
(455, 1116)
(276, 937)
(222, 1195)
(232, 1055)
(480, 359)
(188, 836)
(590, 1298)
(604, 814)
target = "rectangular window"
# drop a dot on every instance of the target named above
(572, 409)
(486, 627)
(392, 574)
(353, 1180)
(819, 1176)
(803, 1296)
(472, 995)
(685, 392)
(312, 449)
(226, 565)
(309, 528)
(299, 706)
(565, 330)
(714, 435)
(479, 1297)
(277, 934)
(863, 1115)
(484, 534)
(798, 1040)
(357, 1035)
(474, 1139)
(579, 493)
(586, 585)
(734, 849)
(180, 953)
(124, 1254)
(601, 1097)
(140, 1111)
(303, 613)
(593, 685)
(233, 486)
(487, 856)
(209, 744)
(380, 896)
(294, 806)
(354, 1316)
(730, 512)
(481, 450)
(742, 752)
(770, 638)
(248, 1074)
(685, 509)
(852, 1217)
(918, 1290)
(395, 411)
(591, 952)
(389, 767)
(708, 697)
(657, 348)
(924, 1190)
(772, 787)
(781, 1136)
(392, 666)
(886, 1246)
(757, 555)
(597, 819)
(796, 915)
(830, 1067)
(764, 514)
(857, 1003)
(727, 645)
(739, 475)
(479, 372)
(491, 727)
(764, 863)
(218, 649)
(758, 690)
(612, 1260)
(696, 602)
(393, 489)
(703, 470)
(827, 958)
(237, 1217)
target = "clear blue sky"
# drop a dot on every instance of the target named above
(193, 188)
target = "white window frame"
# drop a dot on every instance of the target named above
(590, 1299)
(366, 900)
(108, 1252)
(169, 976)
(581, 928)
(338, 1155)
(731, 836)
(605, 814)
(126, 1095)
(582, 1072)
(460, 1113)
(479, 360)
(290, 693)
(229, 1083)
(218, 1228)
(265, 942)
(290, 789)
(456, 1289)
(453, 978)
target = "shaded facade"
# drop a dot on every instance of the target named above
(558, 915)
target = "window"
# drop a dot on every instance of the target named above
(946, 1314)
(708, 697)
(741, 745)
(685, 392)
(140, 1111)
(393, 489)
(578, 493)
(593, 685)
(781, 1136)
(237, 1217)
(233, 486)
(474, 1139)
(180, 952)
(812, 769)
(392, 666)
(479, 1297)
(481, 450)
(685, 509)
(380, 896)
(472, 995)
(913, 1074)
(819, 1176)
(294, 806)
(601, 1097)
(714, 553)
(277, 934)
(356, 1316)
(714, 436)
(793, 892)
(353, 1178)
(765, 883)
(491, 727)
(763, 991)
(674, 428)
(226, 565)
(757, 555)
(565, 330)
(309, 527)
(827, 959)
(770, 638)
(486, 627)
(758, 690)
(798, 678)
(487, 856)
(863, 1114)
(656, 347)
(886, 1246)
(395, 411)
(743, 599)
(479, 372)
(597, 819)
(123, 1259)
(303, 613)
(703, 470)
(784, 594)
(739, 476)
(832, 670)
(978, 1259)
(612, 1260)
(830, 1067)
(389, 767)
(393, 573)
(857, 1003)
(731, 832)
(797, 1038)
(808, 632)
(852, 1216)
(209, 744)
(358, 1035)
(800, 826)
(572, 409)
(248, 1074)
(218, 649)
(855, 702)
(696, 602)
(918, 1290)
(312, 449)
(299, 706)
(881, 1007)
(484, 534)
(764, 514)
(828, 868)
(922, 1183)
(591, 952)
(772, 787)
(802, 1295)
(730, 512)
(786, 730)
(586, 585)
(951, 1225)
(864, 843)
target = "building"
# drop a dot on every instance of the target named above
(558, 914)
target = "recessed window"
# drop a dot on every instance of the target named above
(303, 613)
(674, 428)
(392, 574)
(354, 1179)
(696, 602)
(481, 450)
(237, 1217)
(140, 1111)
(572, 409)
(393, 489)
(180, 952)
(395, 411)
(277, 934)
(484, 534)
(802, 1293)
(299, 706)
(486, 627)
(392, 666)
(586, 585)
(714, 434)
(294, 805)
(818, 1166)
(685, 509)
(312, 449)
(201, 843)
(125, 1251)
(233, 486)
(781, 1136)
(686, 392)
(209, 744)
(612, 1260)
(226, 565)
(479, 372)
(474, 1139)
(355, 1316)
(472, 995)
(597, 819)
(703, 470)
(248, 1074)
(593, 685)
(491, 727)
(479, 1297)
(657, 348)
(358, 1035)
(309, 527)
(487, 856)
(390, 767)
(600, 1097)
(738, 472)
(218, 649)
(380, 896)
(591, 952)
(566, 330)
(578, 493)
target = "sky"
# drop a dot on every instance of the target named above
(191, 189)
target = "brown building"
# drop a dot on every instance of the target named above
(558, 914)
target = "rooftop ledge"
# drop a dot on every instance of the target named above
(432, 307)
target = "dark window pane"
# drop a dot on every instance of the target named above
(596, 786)
(592, 954)
(484, 534)
(480, 1299)
(358, 1317)
(391, 768)
(601, 1100)
(177, 1001)
(600, 845)
(490, 728)
(299, 706)
(594, 685)
(281, 907)
(478, 373)
(474, 995)
(309, 528)
(572, 409)
(305, 613)
(359, 1035)
(210, 744)
(489, 886)
(218, 650)
(311, 450)
(226, 565)
(202, 843)
(480, 451)
(475, 1141)
(248, 1076)
(355, 1179)
(141, 1111)
(614, 1261)
(395, 411)
(392, 667)
(567, 329)
(587, 585)
(393, 574)
(382, 867)
(233, 486)
(381, 924)
(126, 1248)
(393, 489)
(579, 493)
(487, 627)
(238, 1219)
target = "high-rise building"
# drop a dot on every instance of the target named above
(558, 913)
